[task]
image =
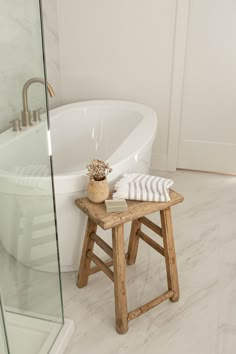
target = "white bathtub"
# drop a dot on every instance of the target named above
(120, 132)
(117, 131)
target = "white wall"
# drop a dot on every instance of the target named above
(119, 49)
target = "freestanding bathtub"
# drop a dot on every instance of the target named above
(119, 132)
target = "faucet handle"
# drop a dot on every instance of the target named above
(26, 118)
(37, 115)
(16, 125)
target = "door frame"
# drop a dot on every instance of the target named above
(177, 85)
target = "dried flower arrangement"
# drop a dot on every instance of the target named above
(98, 170)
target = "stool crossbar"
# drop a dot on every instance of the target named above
(136, 213)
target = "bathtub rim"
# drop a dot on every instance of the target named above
(72, 178)
(142, 109)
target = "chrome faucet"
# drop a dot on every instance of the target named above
(26, 115)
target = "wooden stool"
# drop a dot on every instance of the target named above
(136, 212)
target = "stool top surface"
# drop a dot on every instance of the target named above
(136, 209)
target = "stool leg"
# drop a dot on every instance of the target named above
(120, 279)
(170, 256)
(85, 261)
(133, 242)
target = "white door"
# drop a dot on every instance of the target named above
(207, 138)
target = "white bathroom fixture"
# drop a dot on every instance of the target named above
(119, 132)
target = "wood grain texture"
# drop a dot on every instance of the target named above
(136, 209)
(170, 257)
(133, 242)
(120, 279)
(85, 261)
(155, 228)
(102, 244)
(149, 305)
(136, 213)
(93, 270)
(151, 243)
(109, 263)
(102, 265)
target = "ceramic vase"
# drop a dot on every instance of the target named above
(98, 191)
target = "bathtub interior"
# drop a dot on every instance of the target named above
(82, 134)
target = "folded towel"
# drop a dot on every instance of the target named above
(136, 186)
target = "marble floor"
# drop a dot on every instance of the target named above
(204, 319)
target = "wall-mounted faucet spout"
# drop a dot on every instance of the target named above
(26, 116)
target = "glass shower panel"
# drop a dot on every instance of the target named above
(3, 334)
(29, 260)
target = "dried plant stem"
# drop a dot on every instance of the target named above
(98, 170)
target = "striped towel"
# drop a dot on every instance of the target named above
(136, 186)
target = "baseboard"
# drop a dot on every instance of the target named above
(205, 171)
